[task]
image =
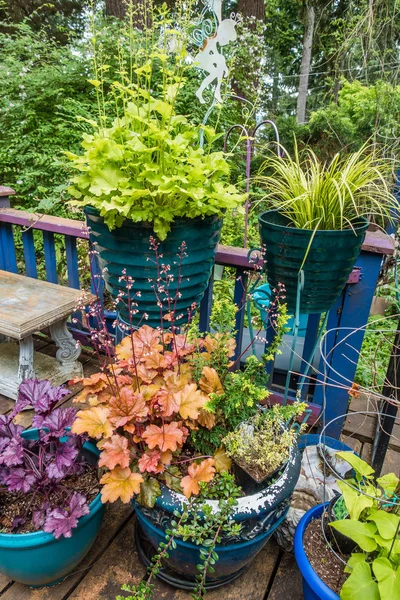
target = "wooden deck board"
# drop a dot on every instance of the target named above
(287, 583)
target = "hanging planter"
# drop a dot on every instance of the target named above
(329, 259)
(318, 220)
(127, 247)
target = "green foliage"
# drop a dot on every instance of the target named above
(373, 524)
(316, 195)
(263, 443)
(148, 166)
(375, 352)
(44, 90)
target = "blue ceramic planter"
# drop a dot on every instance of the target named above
(259, 514)
(313, 587)
(38, 559)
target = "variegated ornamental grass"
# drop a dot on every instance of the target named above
(329, 196)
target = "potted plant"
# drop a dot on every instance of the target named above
(162, 411)
(144, 179)
(319, 214)
(371, 522)
(50, 507)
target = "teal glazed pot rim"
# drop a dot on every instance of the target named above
(360, 226)
(247, 506)
(41, 537)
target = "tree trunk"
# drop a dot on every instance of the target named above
(115, 8)
(252, 8)
(305, 62)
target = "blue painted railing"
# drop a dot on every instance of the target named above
(351, 310)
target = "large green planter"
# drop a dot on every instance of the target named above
(127, 247)
(329, 261)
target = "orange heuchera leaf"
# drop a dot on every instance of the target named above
(166, 437)
(205, 471)
(155, 360)
(120, 484)
(168, 402)
(191, 400)
(92, 386)
(127, 406)
(115, 452)
(181, 345)
(206, 418)
(93, 421)
(145, 374)
(212, 343)
(210, 382)
(354, 392)
(150, 462)
(148, 338)
(124, 350)
(222, 460)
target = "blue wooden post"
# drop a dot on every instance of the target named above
(345, 348)
(205, 306)
(8, 259)
(50, 257)
(309, 343)
(239, 299)
(29, 253)
(72, 262)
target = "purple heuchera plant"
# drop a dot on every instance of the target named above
(39, 467)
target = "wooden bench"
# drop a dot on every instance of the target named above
(27, 306)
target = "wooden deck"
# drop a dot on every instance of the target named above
(113, 560)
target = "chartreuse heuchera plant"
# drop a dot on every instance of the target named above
(373, 523)
(38, 468)
(144, 161)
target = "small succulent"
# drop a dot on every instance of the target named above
(40, 466)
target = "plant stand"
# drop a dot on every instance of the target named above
(26, 306)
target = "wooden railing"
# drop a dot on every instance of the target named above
(350, 312)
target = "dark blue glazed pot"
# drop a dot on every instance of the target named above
(313, 587)
(259, 514)
(38, 559)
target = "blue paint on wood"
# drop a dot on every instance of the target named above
(239, 299)
(50, 257)
(343, 359)
(206, 306)
(29, 253)
(72, 262)
(7, 253)
(309, 343)
(96, 279)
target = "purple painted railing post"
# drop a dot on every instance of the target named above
(5, 193)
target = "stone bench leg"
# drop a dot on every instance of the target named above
(25, 367)
(68, 351)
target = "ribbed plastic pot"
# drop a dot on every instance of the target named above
(329, 261)
(259, 514)
(313, 587)
(127, 247)
(38, 559)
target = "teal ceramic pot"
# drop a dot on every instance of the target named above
(328, 265)
(259, 514)
(127, 247)
(38, 559)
